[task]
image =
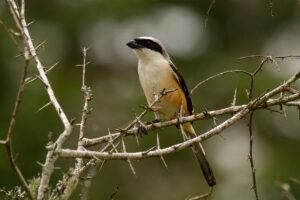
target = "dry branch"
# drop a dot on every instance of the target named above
(259, 102)
(20, 21)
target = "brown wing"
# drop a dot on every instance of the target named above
(184, 88)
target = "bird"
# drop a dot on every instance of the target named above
(157, 73)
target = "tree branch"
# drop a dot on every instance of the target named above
(254, 187)
(252, 105)
(19, 18)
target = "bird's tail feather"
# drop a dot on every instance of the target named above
(200, 155)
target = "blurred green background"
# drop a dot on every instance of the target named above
(235, 28)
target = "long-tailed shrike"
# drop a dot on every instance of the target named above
(156, 73)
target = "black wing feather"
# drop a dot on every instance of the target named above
(183, 86)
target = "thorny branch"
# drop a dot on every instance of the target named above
(254, 187)
(87, 98)
(20, 21)
(254, 104)
(288, 100)
(8, 141)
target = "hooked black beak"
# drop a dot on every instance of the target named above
(133, 44)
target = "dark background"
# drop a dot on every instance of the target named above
(235, 28)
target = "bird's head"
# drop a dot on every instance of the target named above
(148, 48)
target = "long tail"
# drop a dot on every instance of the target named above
(200, 155)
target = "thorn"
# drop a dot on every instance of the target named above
(284, 111)
(40, 45)
(247, 93)
(115, 147)
(222, 136)
(234, 98)
(44, 106)
(131, 167)
(30, 23)
(16, 157)
(214, 122)
(110, 140)
(50, 68)
(15, 33)
(137, 140)
(163, 161)
(101, 166)
(123, 145)
(39, 163)
(38, 77)
(57, 168)
(31, 79)
(184, 136)
(85, 178)
(19, 55)
(128, 160)
(147, 151)
(50, 134)
(205, 111)
(72, 121)
(161, 157)
(157, 141)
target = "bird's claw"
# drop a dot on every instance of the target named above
(142, 130)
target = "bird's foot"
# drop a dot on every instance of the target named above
(142, 130)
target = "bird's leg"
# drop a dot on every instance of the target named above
(142, 130)
(153, 121)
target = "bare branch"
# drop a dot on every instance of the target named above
(208, 11)
(19, 18)
(8, 142)
(263, 56)
(218, 75)
(254, 187)
(88, 95)
(199, 116)
(256, 103)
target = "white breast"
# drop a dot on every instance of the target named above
(152, 74)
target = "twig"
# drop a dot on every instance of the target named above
(271, 7)
(208, 11)
(218, 75)
(87, 98)
(263, 56)
(8, 141)
(285, 187)
(12, 37)
(112, 196)
(254, 187)
(203, 196)
(234, 98)
(294, 180)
